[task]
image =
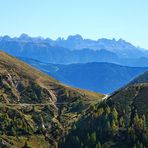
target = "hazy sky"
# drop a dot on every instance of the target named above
(127, 19)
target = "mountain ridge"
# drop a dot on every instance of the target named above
(121, 47)
(97, 76)
(61, 51)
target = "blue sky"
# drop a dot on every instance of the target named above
(127, 19)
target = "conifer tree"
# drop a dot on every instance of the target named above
(93, 138)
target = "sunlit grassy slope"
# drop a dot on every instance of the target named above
(35, 106)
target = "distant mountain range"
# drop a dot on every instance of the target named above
(98, 77)
(120, 47)
(75, 49)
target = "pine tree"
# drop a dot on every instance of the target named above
(74, 127)
(121, 122)
(114, 127)
(100, 111)
(136, 118)
(93, 138)
(13, 131)
(114, 114)
(141, 145)
(144, 122)
(88, 137)
(107, 110)
(108, 126)
(77, 139)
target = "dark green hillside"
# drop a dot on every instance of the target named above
(34, 108)
(143, 78)
(121, 121)
(134, 95)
